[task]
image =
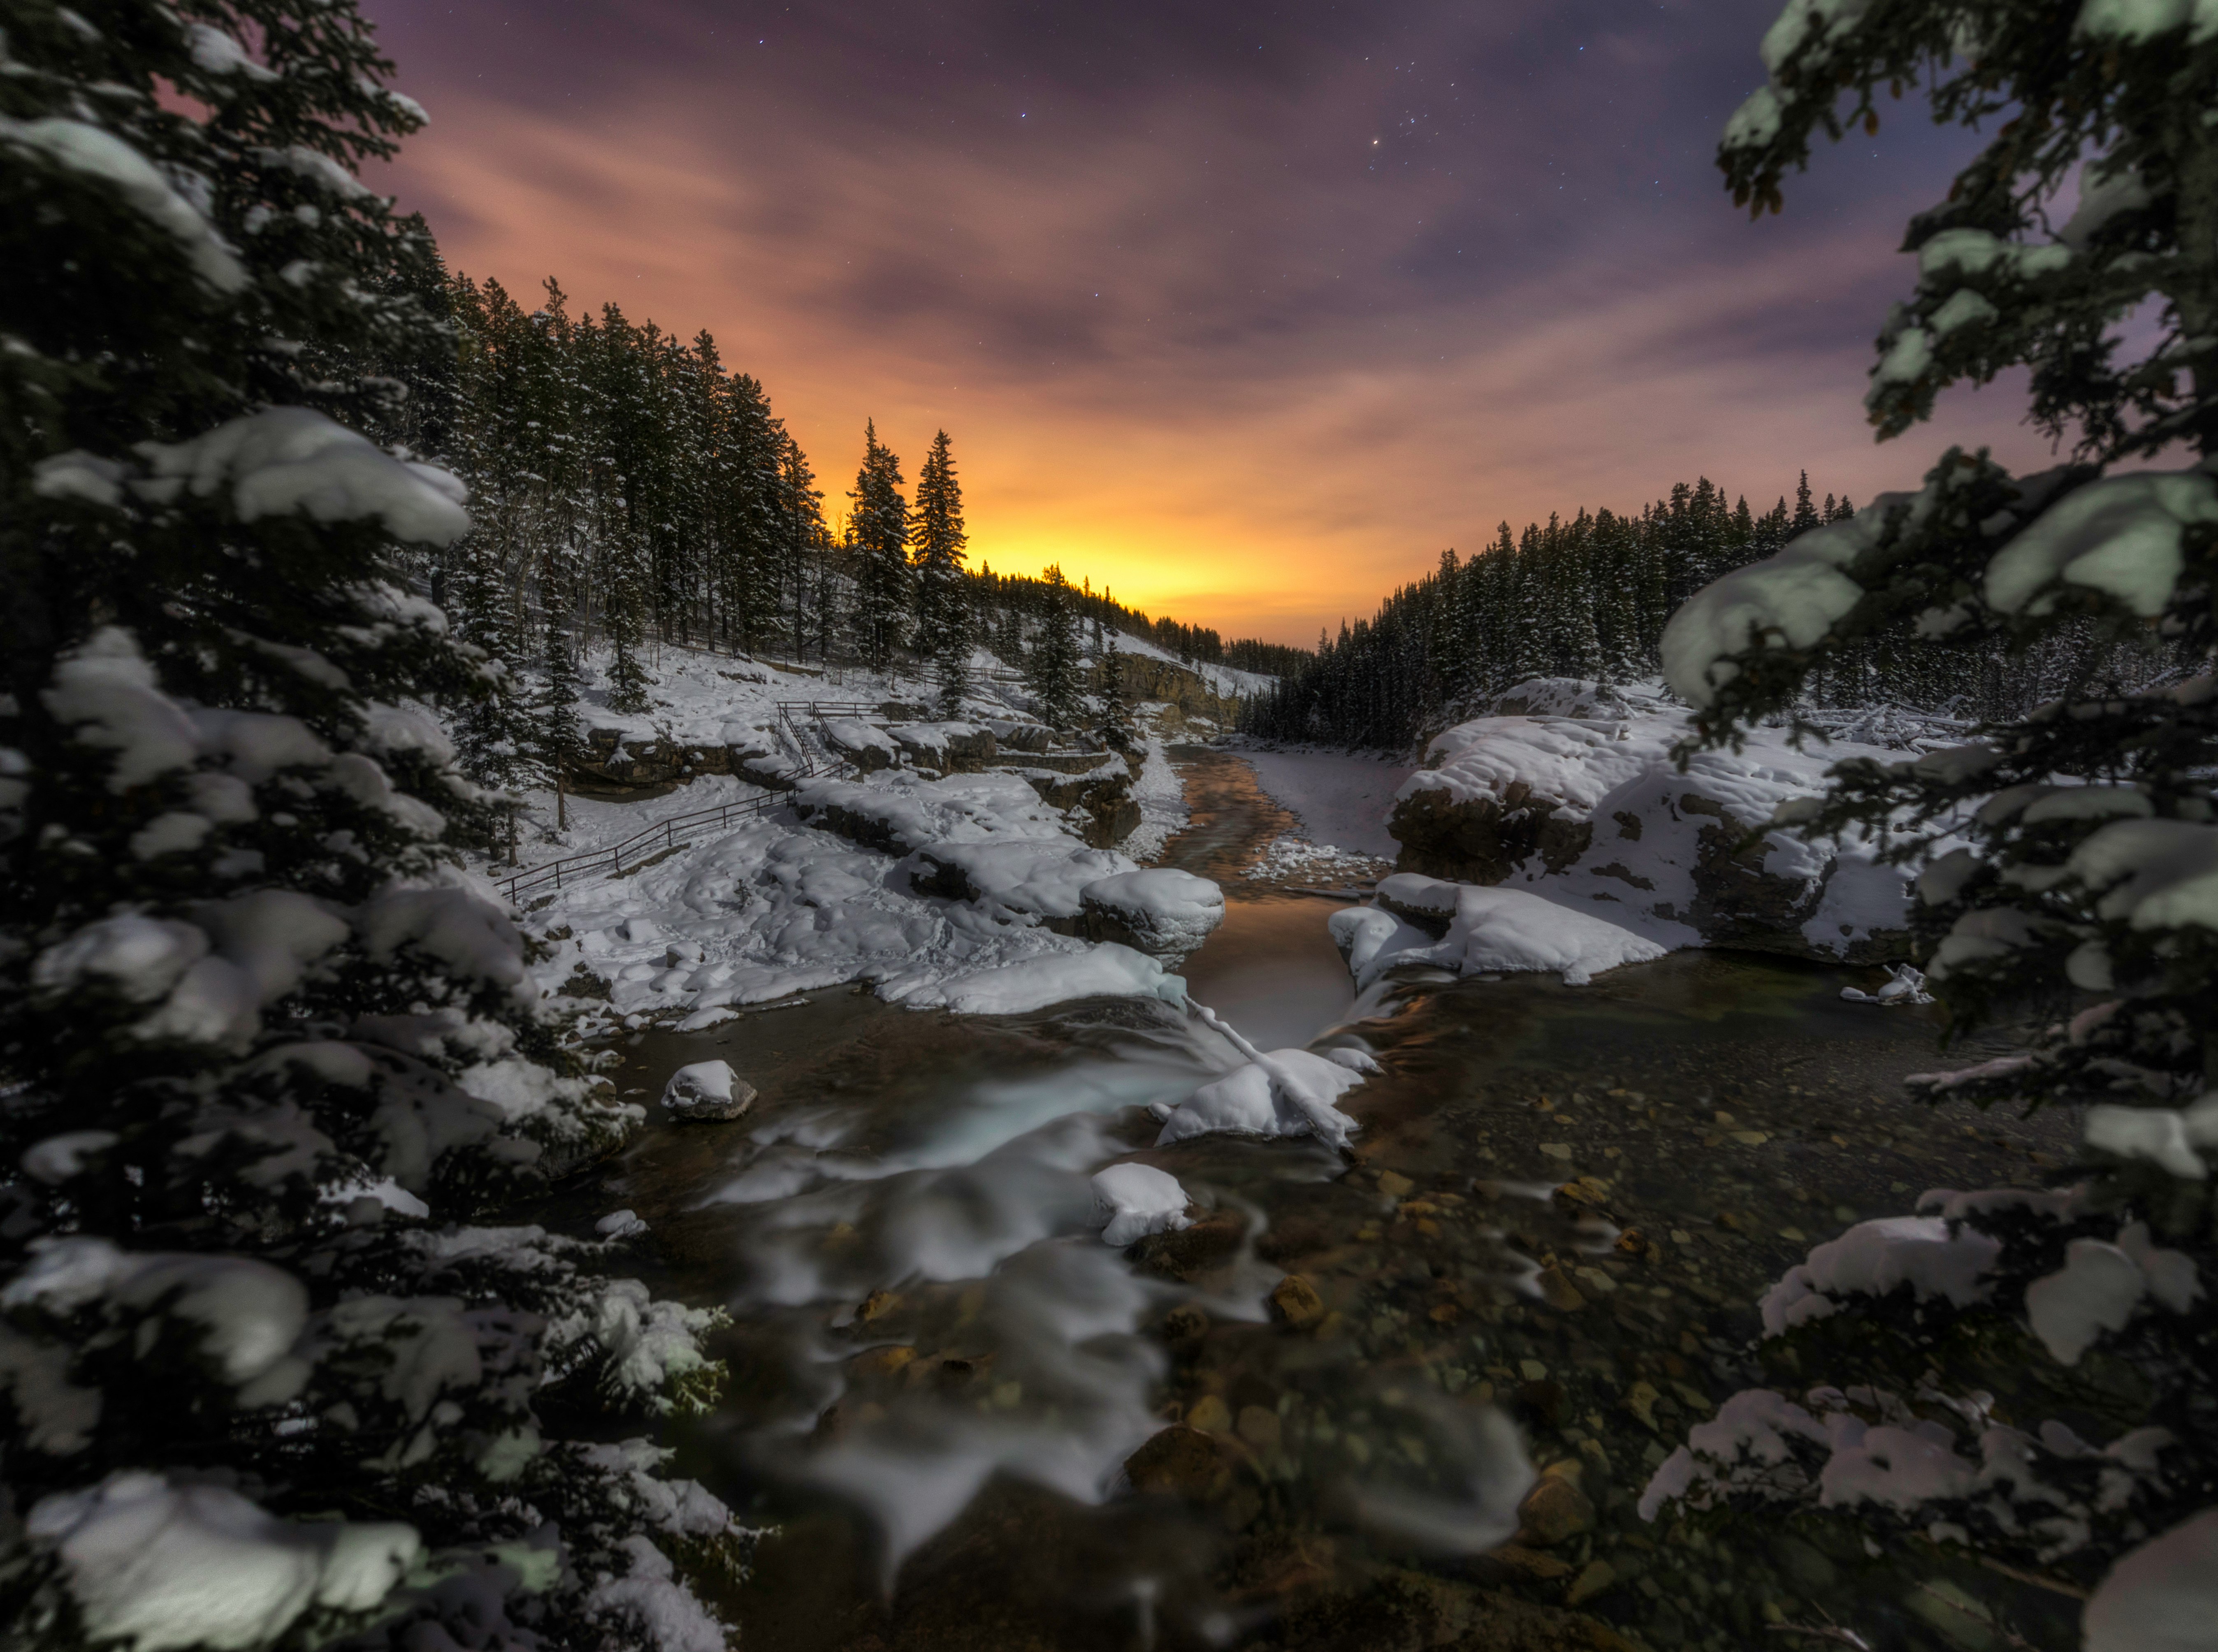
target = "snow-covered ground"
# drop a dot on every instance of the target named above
(1222, 679)
(954, 909)
(1161, 797)
(1342, 799)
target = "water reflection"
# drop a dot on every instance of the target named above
(978, 1426)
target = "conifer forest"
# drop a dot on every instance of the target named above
(610, 1041)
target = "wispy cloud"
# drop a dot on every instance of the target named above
(1195, 333)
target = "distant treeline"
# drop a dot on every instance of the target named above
(1011, 595)
(1588, 598)
(627, 488)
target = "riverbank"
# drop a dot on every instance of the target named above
(936, 1364)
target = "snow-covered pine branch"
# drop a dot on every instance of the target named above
(267, 1052)
(2087, 889)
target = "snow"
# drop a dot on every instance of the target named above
(1169, 912)
(2164, 1136)
(157, 1566)
(1286, 1092)
(908, 813)
(2120, 535)
(1161, 797)
(2102, 199)
(56, 1159)
(707, 1090)
(1341, 799)
(1133, 1201)
(957, 896)
(139, 958)
(1808, 23)
(1043, 877)
(1615, 779)
(1934, 1256)
(1755, 123)
(1795, 596)
(1905, 985)
(1228, 681)
(1373, 941)
(288, 458)
(2102, 1286)
(216, 53)
(651, 1598)
(91, 152)
(104, 691)
(248, 1313)
(1105, 971)
(2135, 21)
(2153, 873)
(1753, 1426)
(2161, 1597)
(1503, 930)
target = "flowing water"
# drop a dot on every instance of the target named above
(974, 1425)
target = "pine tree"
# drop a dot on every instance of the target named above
(2067, 851)
(556, 747)
(878, 532)
(1115, 725)
(1051, 666)
(943, 608)
(1805, 514)
(246, 1008)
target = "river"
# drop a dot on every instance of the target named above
(974, 1425)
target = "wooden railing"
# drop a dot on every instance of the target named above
(799, 718)
(803, 722)
(611, 862)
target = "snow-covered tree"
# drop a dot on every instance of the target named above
(264, 1051)
(2069, 854)
(943, 606)
(1051, 663)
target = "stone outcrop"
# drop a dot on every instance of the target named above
(1597, 805)
(1484, 839)
(1100, 793)
(952, 748)
(617, 764)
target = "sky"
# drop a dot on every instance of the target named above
(1246, 312)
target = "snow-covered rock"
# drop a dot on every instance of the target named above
(1597, 806)
(947, 746)
(1105, 971)
(1161, 911)
(903, 812)
(1132, 1201)
(707, 1093)
(1486, 931)
(1285, 1093)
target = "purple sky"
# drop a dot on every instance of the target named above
(1247, 311)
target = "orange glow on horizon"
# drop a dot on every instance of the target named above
(1264, 481)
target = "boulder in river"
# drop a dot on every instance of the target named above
(1158, 910)
(1596, 809)
(707, 1093)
